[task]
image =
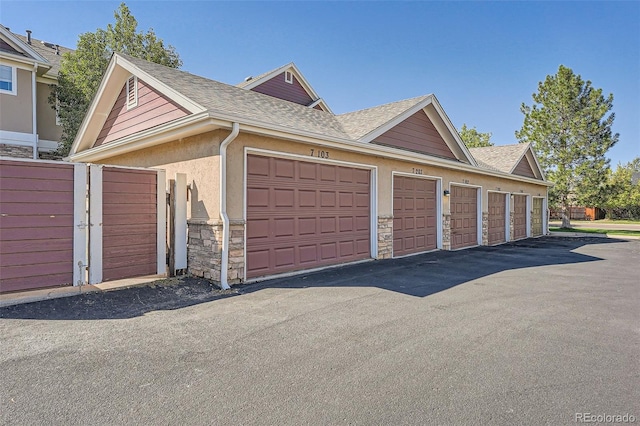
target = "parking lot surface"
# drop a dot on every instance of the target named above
(532, 332)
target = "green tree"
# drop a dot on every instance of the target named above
(622, 197)
(570, 131)
(81, 71)
(472, 138)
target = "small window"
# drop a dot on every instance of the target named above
(132, 92)
(288, 77)
(8, 80)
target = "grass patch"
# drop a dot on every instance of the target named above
(596, 231)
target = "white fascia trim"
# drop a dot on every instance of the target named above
(322, 104)
(117, 60)
(380, 150)
(296, 72)
(45, 145)
(46, 80)
(453, 131)
(430, 100)
(17, 138)
(257, 81)
(529, 149)
(396, 120)
(92, 107)
(18, 44)
(171, 93)
(183, 127)
(524, 152)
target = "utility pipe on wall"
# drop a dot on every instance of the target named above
(224, 260)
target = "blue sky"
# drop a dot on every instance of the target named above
(481, 59)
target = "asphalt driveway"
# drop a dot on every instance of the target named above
(533, 332)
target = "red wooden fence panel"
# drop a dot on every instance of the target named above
(36, 225)
(129, 223)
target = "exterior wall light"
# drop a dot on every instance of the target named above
(446, 192)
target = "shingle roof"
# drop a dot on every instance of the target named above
(49, 53)
(502, 158)
(264, 74)
(231, 100)
(362, 122)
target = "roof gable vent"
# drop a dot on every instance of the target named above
(132, 92)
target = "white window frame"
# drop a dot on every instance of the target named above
(14, 81)
(134, 103)
(288, 77)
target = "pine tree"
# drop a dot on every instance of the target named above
(81, 71)
(472, 138)
(570, 131)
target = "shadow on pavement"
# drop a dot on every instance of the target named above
(418, 276)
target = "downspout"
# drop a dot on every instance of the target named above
(34, 123)
(224, 258)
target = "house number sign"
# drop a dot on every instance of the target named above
(319, 153)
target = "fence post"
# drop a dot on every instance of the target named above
(180, 222)
(161, 221)
(80, 222)
(95, 224)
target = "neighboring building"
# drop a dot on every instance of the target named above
(279, 184)
(28, 125)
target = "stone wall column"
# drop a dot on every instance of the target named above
(235, 272)
(485, 228)
(204, 249)
(385, 237)
(446, 231)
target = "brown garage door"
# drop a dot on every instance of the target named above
(536, 218)
(519, 216)
(414, 215)
(464, 216)
(129, 224)
(303, 215)
(497, 217)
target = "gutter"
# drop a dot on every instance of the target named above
(224, 257)
(34, 119)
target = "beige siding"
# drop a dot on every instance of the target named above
(47, 128)
(197, 156)
(17, 111)
(235, 167)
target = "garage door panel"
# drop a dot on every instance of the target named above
(519, 216)
(464, 216)
(414, 224)
(327, 199)
(536, 217)
(497, 218)
(316, 215)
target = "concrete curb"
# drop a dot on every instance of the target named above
(56, 293)
(587, 234)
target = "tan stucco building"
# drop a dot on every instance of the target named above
(279, 184)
